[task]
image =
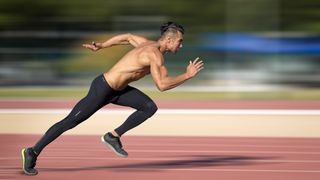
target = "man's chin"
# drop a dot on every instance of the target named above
(174, 51)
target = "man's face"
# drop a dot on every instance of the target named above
(175, 42)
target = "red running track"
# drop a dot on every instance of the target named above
(159, 158)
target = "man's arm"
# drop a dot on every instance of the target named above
(121, 39)
(164, 82)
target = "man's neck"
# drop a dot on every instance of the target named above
(162, 47)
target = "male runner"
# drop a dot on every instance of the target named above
(112, 87)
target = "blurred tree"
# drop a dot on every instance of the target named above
(198, 15)
(300, 16)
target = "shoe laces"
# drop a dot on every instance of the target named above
(33, 158)
(118, 140)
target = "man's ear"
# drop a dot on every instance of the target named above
(168, 39)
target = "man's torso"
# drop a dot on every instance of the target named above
(132, 66)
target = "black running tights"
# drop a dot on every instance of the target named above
(100, 94)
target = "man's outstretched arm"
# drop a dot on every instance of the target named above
(164, 82)
(121, 39)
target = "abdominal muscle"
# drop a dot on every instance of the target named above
(120, 80)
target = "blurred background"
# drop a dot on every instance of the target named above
(253, 49)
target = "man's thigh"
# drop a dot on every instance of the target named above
(132, 97)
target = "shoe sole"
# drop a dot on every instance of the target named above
(110, 147)
(23, 162)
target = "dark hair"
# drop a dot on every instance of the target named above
(171, 26)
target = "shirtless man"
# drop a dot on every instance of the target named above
(113, 87)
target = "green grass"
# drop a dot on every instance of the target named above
(76, 93)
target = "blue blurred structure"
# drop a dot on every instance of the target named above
(251, 43)
(248, 61)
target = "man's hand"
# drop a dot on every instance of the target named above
(194, 67)
(93, 46)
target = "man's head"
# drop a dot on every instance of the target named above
(172, 35)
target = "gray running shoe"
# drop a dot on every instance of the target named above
(114, 144)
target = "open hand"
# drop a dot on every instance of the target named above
(194, 67)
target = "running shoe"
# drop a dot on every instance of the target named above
(29, 159)
(114, 144)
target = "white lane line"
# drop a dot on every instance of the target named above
(214, 145)
(201, 169)
(162, 159)
(217, 151)
(189, 151)
(174, 111)
(246, 170)
(222, 145)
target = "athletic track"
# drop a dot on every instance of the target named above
(163, 157)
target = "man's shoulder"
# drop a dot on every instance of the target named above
(151, 54)
(150, 50)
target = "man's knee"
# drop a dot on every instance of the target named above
(150, 108)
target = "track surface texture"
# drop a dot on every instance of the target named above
(166, 157)
(84, 157)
